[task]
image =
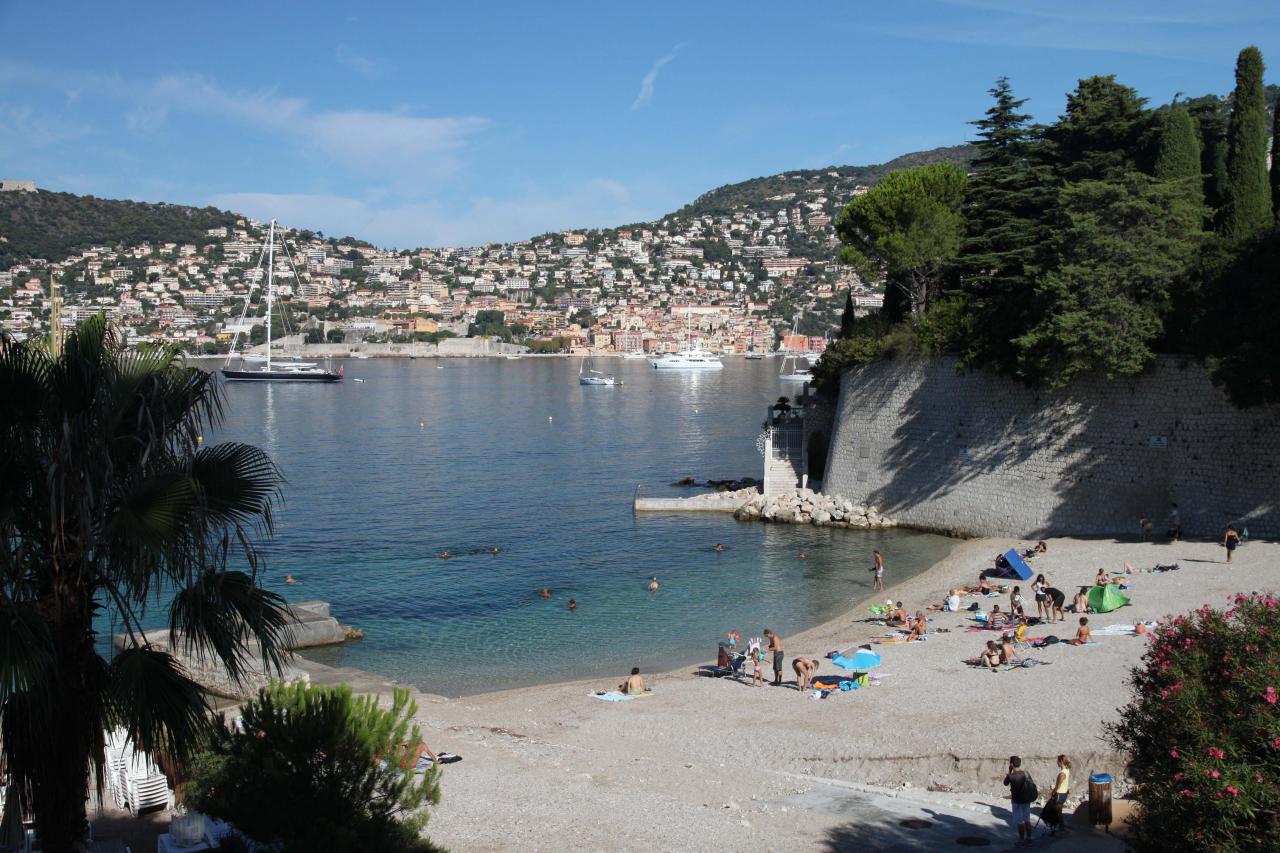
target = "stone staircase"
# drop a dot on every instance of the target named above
(784, 459)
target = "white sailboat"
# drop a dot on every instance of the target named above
(795, 368)
(282, 371)
(587, 376)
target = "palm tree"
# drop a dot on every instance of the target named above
(109, 508)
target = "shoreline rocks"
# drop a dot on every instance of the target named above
(805, 506)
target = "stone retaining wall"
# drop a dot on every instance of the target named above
(977, 454)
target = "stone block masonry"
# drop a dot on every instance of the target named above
(975, 454)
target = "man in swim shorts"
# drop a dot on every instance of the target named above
(633, 685)
(775, 646)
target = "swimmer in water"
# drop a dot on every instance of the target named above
(546, 593)
(653, 584)
(289, 579)
(573, 604)
(494, 550)
(802, 555)
(444, 555)
(718, 547)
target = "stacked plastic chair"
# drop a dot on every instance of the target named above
(135, 781)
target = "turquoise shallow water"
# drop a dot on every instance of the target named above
(385, 474)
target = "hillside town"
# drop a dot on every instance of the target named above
(754, 278)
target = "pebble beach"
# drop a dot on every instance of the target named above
(705, 763)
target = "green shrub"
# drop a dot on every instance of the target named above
(945, 328)
(1203, 731)
(319, 769)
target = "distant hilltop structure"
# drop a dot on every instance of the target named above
(9, 186)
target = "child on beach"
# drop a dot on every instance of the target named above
(757, 660)
(1015, 602)
(1082, 633)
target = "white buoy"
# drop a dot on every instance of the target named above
(550, 418)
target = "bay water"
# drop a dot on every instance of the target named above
(466, 455)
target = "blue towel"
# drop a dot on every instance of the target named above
(613, 696)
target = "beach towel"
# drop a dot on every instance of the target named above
(1122, 629)
(839, 682)
(425, 762)
(1104, 599)
(1081, 645)
(613, 696)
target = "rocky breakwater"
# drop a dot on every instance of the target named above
(805, 506)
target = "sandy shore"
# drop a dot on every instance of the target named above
(713, 764)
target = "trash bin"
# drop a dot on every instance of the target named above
(1100, 799)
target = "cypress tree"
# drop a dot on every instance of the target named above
(1246, 208)
(1178, 157)
(847, 318)
(1275, 159)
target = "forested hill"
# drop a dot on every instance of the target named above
(761, 193)
(52, 225)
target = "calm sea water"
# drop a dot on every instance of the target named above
(385, 474)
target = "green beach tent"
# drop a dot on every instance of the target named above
(1104, 599)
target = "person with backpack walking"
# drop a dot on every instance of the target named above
(1022, 793)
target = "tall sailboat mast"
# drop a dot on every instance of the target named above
(271, 291)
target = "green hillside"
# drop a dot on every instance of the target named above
(758, 192)
(52, 225)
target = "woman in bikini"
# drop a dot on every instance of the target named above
(1042, 598)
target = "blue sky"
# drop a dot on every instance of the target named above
(424, 123)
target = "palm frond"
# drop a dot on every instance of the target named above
(239, 482)
(26, 651)
(153, 699)
(221, 614)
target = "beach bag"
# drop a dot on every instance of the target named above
(1027, 791)
(973, 608)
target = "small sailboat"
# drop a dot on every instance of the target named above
(635, 356)
(587, 376)
(795, 368)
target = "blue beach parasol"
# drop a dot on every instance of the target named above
(861, 661)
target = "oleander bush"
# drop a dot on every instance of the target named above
(1203, 730)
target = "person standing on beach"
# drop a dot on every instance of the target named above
(1175, 523)
(1230, 540)
(1022, 793)
(775, 646)
(1038, 586)
(878, 568)
(1061, 787)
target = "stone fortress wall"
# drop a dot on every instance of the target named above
(975, 454)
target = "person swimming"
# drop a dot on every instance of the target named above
(289, 579)
(573, 604)
(653, 584)
(444, 555)
(719, 547)
(545, 593)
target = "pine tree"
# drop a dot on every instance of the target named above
(1101, 133)
(1246, 208)
(1010, 192)
(847, 318)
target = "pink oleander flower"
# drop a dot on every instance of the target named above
(1275, 743)
(1214, 752)
(1177, 777)
(1257, 777)
(1270, 695)
(1173, 753)
(1214, 773)
(1184, 792)
(1233, 790)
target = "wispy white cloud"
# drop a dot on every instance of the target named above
(645, 95)
(22, 126)
(599, 202)
(365, 66)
